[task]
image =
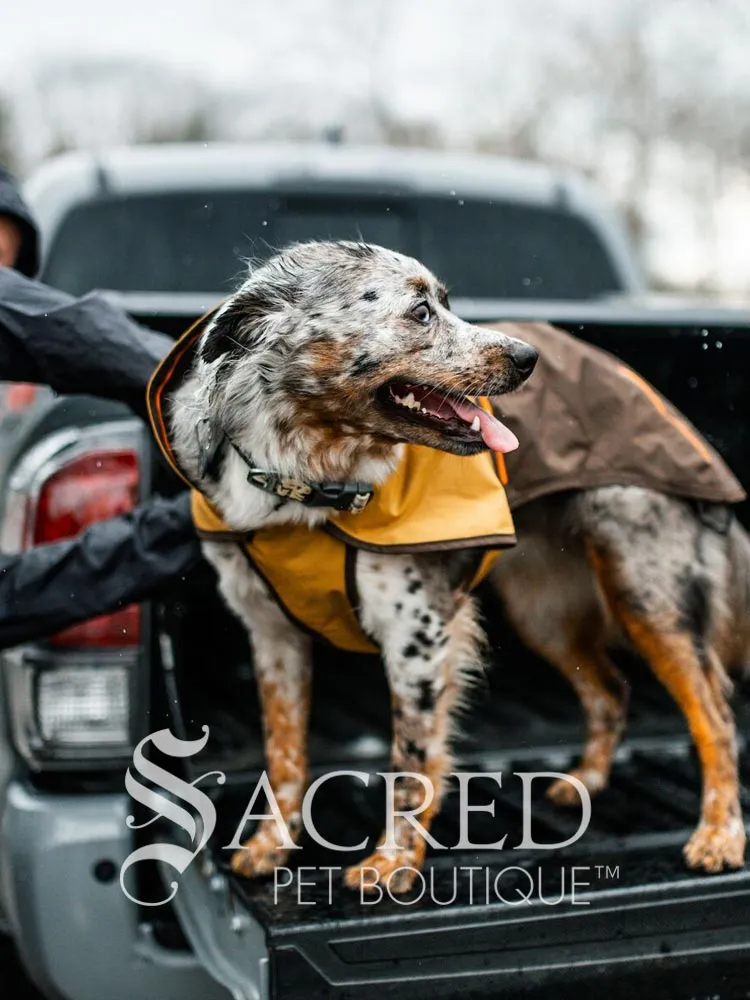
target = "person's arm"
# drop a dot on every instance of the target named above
(110, 565)
(84, 345)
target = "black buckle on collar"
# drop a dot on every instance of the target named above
(351, 497)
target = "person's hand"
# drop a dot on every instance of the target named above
(10, 241)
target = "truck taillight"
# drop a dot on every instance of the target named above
(75, 701)
(19, 396)
(89, 488)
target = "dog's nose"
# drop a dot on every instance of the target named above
(524, 357)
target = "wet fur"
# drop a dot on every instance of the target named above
(624, 564)
(289, 370)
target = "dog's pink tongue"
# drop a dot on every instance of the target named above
(495, 434)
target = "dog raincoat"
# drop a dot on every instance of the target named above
(432, 502)
(585, 419)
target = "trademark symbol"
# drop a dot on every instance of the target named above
(606, 873)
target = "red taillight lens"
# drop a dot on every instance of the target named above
(121, 628)
(93, 487)
(18, 396)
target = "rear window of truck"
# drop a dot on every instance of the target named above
(199, 242)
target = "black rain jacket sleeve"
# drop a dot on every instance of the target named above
(84, 345)
(110, 565)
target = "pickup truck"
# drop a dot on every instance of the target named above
(165, 229)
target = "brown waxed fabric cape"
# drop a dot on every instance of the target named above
(433, 501)
(584, 419)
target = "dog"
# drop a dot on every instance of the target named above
(327, 362)
(626, 565)
(627, 535)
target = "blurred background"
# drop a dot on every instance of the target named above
(651, 100)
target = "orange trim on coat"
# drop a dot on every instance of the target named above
(661, 406)
(159, 382)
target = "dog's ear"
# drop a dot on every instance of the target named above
(238, 327)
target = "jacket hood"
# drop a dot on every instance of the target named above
(13, 205)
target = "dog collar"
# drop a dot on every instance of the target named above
(350, 497)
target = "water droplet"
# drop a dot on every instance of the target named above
(264, 222)
(461, 201)
(719, 345)
(693, 382)
(704, 346)
(453, 194)
(704, 333)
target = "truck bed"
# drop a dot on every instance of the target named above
(637, 906)
(640, 919)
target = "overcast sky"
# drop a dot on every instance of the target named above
(225, 41)
(424, 47)
(207, 36)
(454, 62)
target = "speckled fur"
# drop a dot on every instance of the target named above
(289, 369)
(627, 564)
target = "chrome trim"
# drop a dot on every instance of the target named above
(227, 940)
(21, 667)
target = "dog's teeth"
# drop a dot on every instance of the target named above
(475, 424)
(408, 401)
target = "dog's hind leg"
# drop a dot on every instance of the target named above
(603, 693)
(430, 639)
(282, 664)
(552, 600)
(664, 575)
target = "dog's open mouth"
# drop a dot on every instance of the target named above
(450, 414)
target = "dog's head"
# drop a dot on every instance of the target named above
(334, 341)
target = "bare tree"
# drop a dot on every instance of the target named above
(88, 103)
(196, 124)
(647, 81)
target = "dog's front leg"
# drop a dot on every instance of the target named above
(282, 663)
(282, 673)
(429, 637)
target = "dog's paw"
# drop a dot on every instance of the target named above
(565, 793)
(392, 871)
(714, 848)
(259, 856)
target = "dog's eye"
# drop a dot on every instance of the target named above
(422, 313)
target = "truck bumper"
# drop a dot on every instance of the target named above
(79, 936)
